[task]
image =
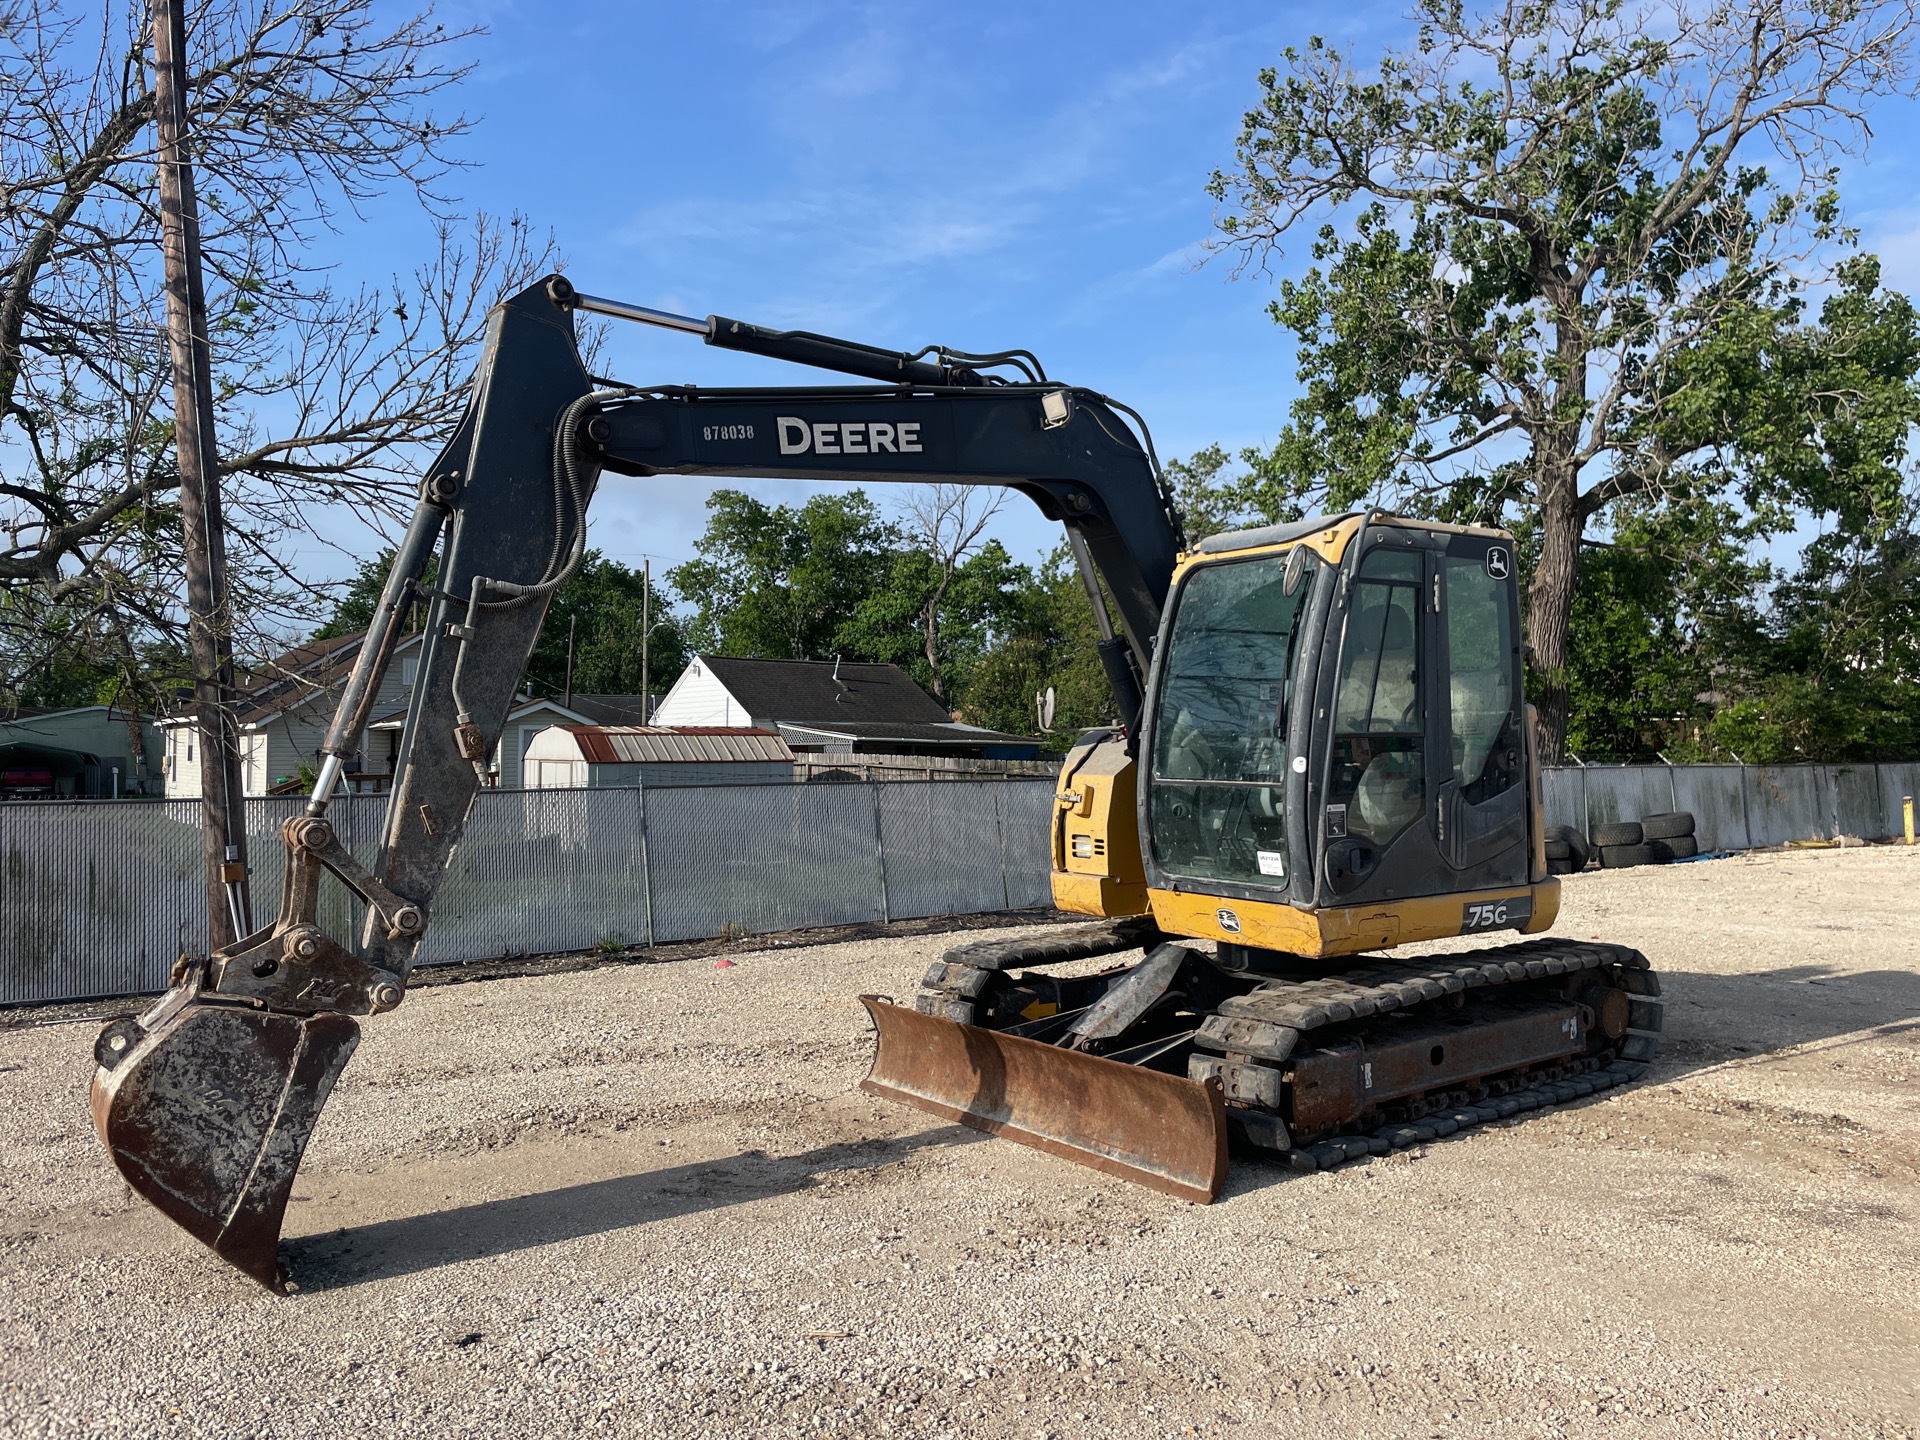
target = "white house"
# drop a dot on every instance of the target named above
(828, 707)
(283, 713)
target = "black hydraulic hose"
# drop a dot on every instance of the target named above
(571, 492)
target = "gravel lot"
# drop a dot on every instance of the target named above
(649, 1200)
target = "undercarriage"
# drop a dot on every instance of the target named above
(1315, 1062)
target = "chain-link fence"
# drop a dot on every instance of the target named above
(98, 897)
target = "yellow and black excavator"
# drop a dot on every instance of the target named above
(1322, 754)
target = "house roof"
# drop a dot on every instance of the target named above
(294, 677)
(681, 745)
(949, 732)
(808, 692)
(55, 712)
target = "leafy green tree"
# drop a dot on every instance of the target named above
(1834, 674)
(946, 523)
(1662, 605)
(1045, 638)
(1213, 497)
(977, 628)
(600, 605)
(359, 597)
(1576, 270)
(783, 582)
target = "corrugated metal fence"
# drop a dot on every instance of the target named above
(1739, 807)
(97, 897)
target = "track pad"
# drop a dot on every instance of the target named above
(207, 1108)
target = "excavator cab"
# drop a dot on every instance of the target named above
(1334, 723)
(1339, 734)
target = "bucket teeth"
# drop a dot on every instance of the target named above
(206, 1109)
(1162, 1131)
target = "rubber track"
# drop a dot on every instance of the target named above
(1268, 1023)
(1078, 942)
(1382, 988)
(1339, 1149)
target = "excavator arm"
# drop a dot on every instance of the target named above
(207, 1100)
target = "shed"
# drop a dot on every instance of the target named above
(599, 756)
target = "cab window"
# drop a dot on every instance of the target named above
(1217, 790)
(1484, 701)
(1378, 782)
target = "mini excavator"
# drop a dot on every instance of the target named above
(1323, 753)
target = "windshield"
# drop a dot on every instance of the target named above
(1217, 793)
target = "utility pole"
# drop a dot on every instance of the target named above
(209, 618)
(646, 634)
(572, 620)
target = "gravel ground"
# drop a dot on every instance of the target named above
(650, 1200)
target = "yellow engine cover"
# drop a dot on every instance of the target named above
(1096, 838)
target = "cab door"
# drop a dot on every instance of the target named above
(1381, 688)
(1425, 790)
(1480, 794)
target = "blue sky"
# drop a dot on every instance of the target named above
(903, 173)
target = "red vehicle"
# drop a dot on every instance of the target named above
(26, 784)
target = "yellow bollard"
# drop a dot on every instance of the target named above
(1906, 806)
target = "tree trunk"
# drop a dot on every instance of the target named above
(1550, 596)
(1556, 445)
(930, 633)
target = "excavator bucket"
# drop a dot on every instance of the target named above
(206, 1108)
(1157, 1130)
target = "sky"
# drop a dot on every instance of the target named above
(1024, 176)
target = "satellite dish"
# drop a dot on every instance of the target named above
(1043, 703)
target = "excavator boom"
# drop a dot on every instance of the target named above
(206, 1102)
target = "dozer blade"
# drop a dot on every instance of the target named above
(206, 1108)
(1155, 1129)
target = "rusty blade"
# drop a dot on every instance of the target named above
(207, 1107)
(1157, 1130)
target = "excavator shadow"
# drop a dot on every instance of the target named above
(386, 1249)
(1713, 1019)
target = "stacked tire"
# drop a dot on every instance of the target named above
(1651, 840)
(1670, 836)
(1567, 850)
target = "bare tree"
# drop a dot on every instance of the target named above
(298, 112)
(948, 521)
